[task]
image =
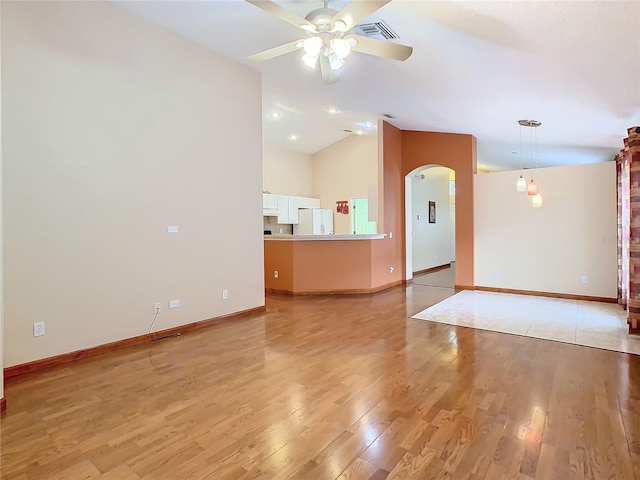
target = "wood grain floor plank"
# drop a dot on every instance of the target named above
(325, 388)
(358, 470)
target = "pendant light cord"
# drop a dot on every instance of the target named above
(520, 153)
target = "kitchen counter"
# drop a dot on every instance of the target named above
(328, 264)
(360, 236)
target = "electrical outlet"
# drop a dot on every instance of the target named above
(390, 234)
(174, 303)
(156, 307)
(390, 269)
(38, 329)
(275, 274)
(584, 279)
(225, 294)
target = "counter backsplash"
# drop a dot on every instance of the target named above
(271, 223)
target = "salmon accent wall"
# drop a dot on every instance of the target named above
(326, 266)
(390, 205)
(405, 151)
(278, 256)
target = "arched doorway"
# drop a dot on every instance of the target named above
(400, 153)
(430, 224)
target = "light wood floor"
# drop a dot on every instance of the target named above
(445, 278)
(330, 387)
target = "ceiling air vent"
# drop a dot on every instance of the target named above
(379, 30)
(389, 115)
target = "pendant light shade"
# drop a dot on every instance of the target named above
(532, 188)
(536, 201)
(521, 185)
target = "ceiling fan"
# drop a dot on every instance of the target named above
(328, 41)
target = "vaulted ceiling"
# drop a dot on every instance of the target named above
(477, 67)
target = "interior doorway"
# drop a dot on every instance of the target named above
(430, 225)
(360, 222)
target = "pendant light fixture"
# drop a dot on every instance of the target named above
(536, 201)
(521, 184)
(532, 188)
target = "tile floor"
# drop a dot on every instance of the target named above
(592, 324)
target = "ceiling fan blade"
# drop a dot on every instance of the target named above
(328, 76)
(380, 48)
(284, 14)
(276, 51)
(357, 11)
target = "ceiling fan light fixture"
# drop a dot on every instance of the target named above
(335, 62)
(339, 26)
(310, 60)
(340, 47)
(313, 46)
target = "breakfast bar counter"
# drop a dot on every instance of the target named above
(362, 236)
(327, 264)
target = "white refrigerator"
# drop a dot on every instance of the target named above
(314, 221)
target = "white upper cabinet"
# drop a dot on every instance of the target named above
(269, 201)
(269, 204)
(286, 207)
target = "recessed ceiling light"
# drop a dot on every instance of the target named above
(359, 132)
(275, 114)
(333, 110)
(294, 136)
(369, 125)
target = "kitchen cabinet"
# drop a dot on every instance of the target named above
(314, 221)
(269, 204)
(287, 209)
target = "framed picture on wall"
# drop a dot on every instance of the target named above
(432, 212)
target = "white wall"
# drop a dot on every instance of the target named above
(548, 249)
(433, 244)
(287, 172)
(343, 171)
(114, 129)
